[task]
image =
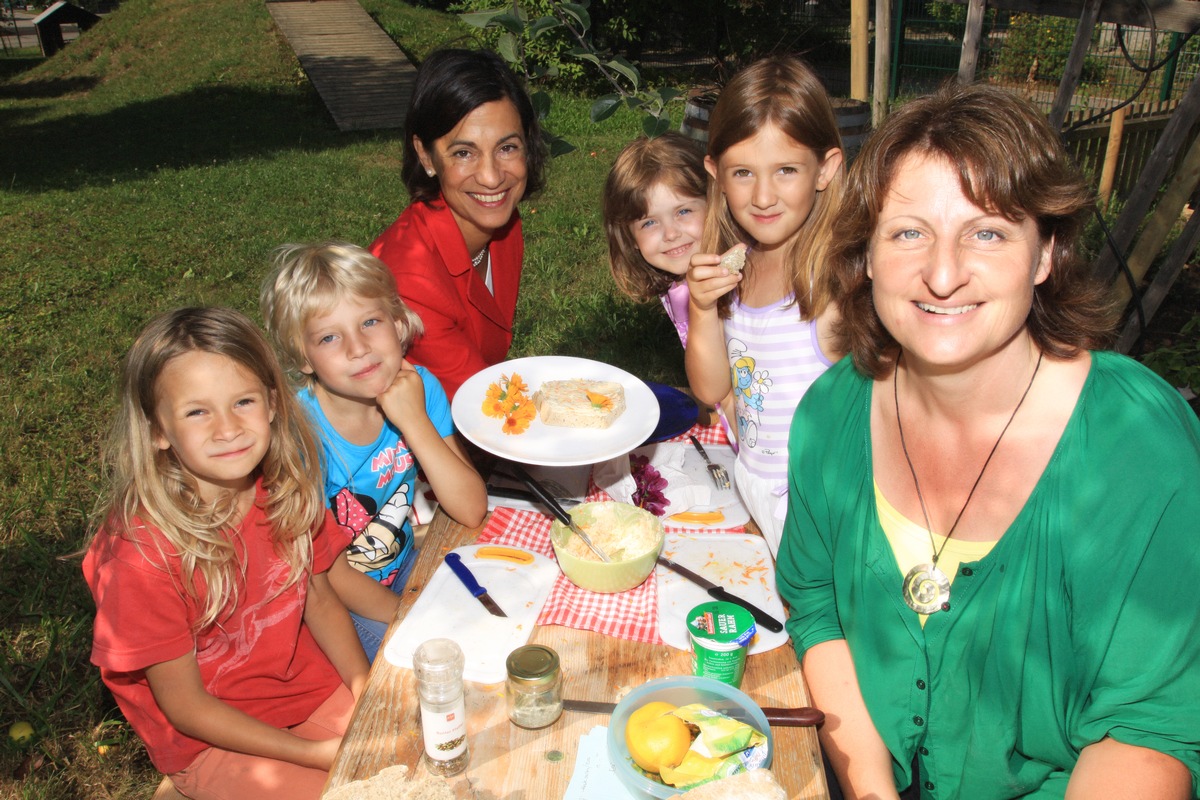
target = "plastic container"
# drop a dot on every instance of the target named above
(678, 691)
(720, 634)
(598, 576)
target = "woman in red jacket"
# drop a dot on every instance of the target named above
(472, 151)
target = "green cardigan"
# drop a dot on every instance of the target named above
(1082, 622)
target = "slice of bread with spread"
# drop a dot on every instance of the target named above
(579, 403)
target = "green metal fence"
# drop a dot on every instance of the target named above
(1030, 51)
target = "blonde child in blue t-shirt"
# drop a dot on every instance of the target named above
(334, 314)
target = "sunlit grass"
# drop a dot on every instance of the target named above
(156, 162)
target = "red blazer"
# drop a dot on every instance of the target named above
(467, 328)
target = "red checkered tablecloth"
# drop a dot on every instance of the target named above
(625, 615)
(707, 434)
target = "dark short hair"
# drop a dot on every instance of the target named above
(1010, 162)
(452, 83)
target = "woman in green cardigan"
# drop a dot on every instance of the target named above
(990, 555)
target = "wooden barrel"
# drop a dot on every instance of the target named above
(854, 123)
(853, 119)
(695, 119)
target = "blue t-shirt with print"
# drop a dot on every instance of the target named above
(370, 487)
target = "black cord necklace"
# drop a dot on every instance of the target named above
(926, 588)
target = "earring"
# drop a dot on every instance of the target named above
(430, 172)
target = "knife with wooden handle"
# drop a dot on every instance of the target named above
(804, 717)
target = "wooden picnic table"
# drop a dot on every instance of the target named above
(511, 762)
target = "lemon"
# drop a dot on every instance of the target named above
(20, 732)
(656, 738)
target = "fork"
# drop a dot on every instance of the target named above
(718, 473)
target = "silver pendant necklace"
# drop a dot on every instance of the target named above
(478, 259)
(926, 588)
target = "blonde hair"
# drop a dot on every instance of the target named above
(671, 159)
(785, 92)
(310, 279)
(149, 487)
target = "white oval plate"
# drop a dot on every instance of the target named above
(552, 445)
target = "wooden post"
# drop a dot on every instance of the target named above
(1108, 172)
(1166, 213)
(968, 60)
(859, 42)
(1154, 173)
(883, 61)
(1181, 251)
(1074, 67)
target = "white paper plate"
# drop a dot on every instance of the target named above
(446, 610)
(735, 561)
(553, 445)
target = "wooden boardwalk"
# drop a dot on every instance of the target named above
(362, 76)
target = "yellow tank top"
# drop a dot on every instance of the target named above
(910, 543)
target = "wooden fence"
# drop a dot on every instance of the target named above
(1144, 123)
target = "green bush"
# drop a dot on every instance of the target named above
(1179, 362)
(1038, 47)
(546, 55)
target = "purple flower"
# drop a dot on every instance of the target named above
(650, 485)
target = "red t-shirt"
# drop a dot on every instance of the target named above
(262, 659)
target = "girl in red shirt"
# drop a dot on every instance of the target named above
(216, 628)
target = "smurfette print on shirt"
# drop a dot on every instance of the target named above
(773, 358)
(749, 390)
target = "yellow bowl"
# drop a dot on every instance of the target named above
(598, 576)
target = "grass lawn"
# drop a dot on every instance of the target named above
(156, 162)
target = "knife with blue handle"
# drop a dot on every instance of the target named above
(718, 592)
(463, 572)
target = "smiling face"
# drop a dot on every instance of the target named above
(354, 350)
(952, 282)
(215, 416)
(671, 229)
(770, 182)
(480, 165)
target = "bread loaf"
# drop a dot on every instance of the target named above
(754, 784)
(392, 784)
(735, 259)
(579, 403)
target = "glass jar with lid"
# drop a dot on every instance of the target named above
(534, 686)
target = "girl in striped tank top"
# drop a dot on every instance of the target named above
(762, 333)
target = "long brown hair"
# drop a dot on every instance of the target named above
(149, 487)
(785, 92)
(1010, 162)
(671, 159)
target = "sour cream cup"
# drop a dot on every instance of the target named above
(720, 635)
